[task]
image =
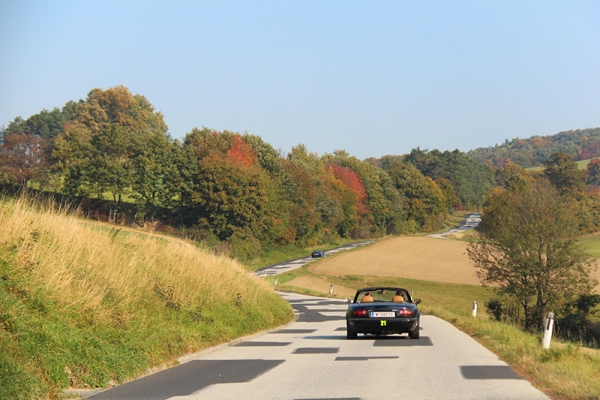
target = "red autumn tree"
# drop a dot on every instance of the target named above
(353, 182)
(241, 152)
(346, 201)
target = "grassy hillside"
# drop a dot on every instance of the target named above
(82, 304)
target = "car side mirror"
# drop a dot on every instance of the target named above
(417, 301)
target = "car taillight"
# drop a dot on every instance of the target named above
(405, 312)
(360, 313)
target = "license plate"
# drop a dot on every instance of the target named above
(382, 314)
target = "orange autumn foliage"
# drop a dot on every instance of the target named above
(241, 152)
(353, 182)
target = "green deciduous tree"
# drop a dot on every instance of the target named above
(150, 155)
(115, 143)
(564, 174)
(452, 200)
(181, 168)
(472, 181)
(45, 124)
(303, 215)
(528, 248)
(230, 196)
(513, 177)
(589, 211)
(205, 142)
(425, 201)
(109, 165)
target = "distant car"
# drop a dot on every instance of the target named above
(383, 310)
(318, 254)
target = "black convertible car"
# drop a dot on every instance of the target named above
(383, 310)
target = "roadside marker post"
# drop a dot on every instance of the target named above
(474, 312)
(331, 290)
(548, 330)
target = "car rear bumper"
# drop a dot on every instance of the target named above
(384, 325)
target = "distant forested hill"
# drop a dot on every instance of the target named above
(581, 144)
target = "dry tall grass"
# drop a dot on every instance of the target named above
(84, 266)
(83, 303)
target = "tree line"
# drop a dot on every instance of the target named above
(230, 187)
(580, 144)
(236, 191)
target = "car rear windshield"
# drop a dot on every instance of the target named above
(383, 295)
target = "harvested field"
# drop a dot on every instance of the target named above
(424, 258)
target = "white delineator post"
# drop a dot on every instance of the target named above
(330, 290)
(548, 330)
(474, 313)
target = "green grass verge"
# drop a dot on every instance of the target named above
(566, 371)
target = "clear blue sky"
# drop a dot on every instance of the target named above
(369, 77)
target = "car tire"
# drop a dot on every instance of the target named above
(414, 334)
(350, 332)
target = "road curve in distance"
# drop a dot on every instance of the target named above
(299, 262)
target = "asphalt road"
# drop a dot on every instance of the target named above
(293, 264)
(470, 222)
(311, 359)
